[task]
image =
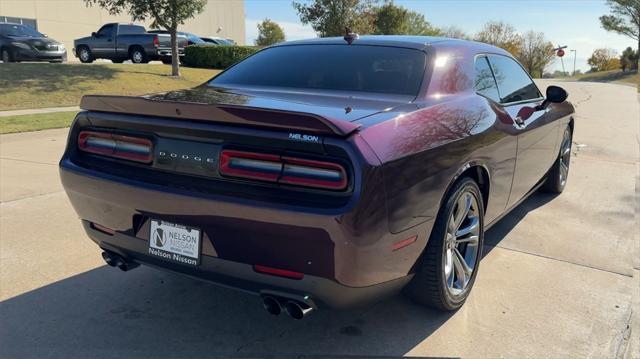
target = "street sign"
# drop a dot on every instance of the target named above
(560, 53)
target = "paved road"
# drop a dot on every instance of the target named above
(36, 111)
(560, 276)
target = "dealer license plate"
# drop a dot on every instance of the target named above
(174, 242)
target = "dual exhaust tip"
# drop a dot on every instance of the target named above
(295, 309)
(273, 305)
(115, 260)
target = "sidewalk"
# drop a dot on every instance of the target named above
(34, 111)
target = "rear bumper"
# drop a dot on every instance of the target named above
(341, 266)
(315, 291)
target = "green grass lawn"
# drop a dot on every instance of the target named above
(41, 121)
(615, 76)
(26, 86)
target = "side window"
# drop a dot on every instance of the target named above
(514, 84)
(485, 83)
(105, 31)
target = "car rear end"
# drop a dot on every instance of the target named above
(274, 193)
(162, 45)
(258, 210)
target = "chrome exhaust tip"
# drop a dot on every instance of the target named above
(271, 305)
(114, 260)
(297, 310)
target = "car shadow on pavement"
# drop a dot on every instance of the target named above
(502, 228)
(146, 312)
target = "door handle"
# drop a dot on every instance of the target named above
(519, 121)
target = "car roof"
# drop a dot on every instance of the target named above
(408, 41)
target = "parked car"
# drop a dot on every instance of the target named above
(23, 43)
(191, 38)
(218, 41)
(120, 42)
(360, 168)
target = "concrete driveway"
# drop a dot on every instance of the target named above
(559, 278)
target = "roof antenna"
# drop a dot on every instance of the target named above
(350, 35)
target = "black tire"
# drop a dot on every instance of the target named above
(137, 55)
(5, 56)
(556, 178)
(55, 62)
(166, 61)
(429, 284)
(117, 61)
(85, 55)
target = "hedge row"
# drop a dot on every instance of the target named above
(217, 57)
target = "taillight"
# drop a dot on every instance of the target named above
(118, 146)
(310, 173)
(156, 42)
(280, 169)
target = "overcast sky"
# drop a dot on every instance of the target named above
(566, 22)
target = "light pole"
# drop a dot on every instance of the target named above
(575, 54)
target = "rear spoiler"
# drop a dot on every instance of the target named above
(222, 113)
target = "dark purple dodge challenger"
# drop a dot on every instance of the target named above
(323, 172)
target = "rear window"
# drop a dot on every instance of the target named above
(359, 68)
(131, 29)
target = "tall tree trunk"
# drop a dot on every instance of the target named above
(175, 58)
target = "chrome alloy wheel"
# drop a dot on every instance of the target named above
(5, 56)
(461, 243)
(136, 57)
(565, 157)
(84, 55)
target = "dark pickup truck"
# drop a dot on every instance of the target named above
(120, 42)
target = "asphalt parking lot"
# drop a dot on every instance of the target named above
(560, 276)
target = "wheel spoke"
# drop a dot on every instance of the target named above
(464, 266)
(473, 224)
(464, 205)
(470, 240)
(461, 274)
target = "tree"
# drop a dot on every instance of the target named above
(603, 60)
(502, 35)
(535, 52)
(454, 32)
(391, 19)
(331, 17)
(167, 14)
(418, 25)
(629, 59)
(624, 18)
(269, 33)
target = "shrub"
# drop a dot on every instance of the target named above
(217, 57)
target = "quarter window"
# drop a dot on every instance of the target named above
(485, 83)
(514, 84)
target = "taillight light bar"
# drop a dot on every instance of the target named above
(117, 146)
(283, 169)
(156, 42)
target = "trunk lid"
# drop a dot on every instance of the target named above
(313, 113)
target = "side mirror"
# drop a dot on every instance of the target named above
(555, 94)
(93, 34)
(45, 35)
